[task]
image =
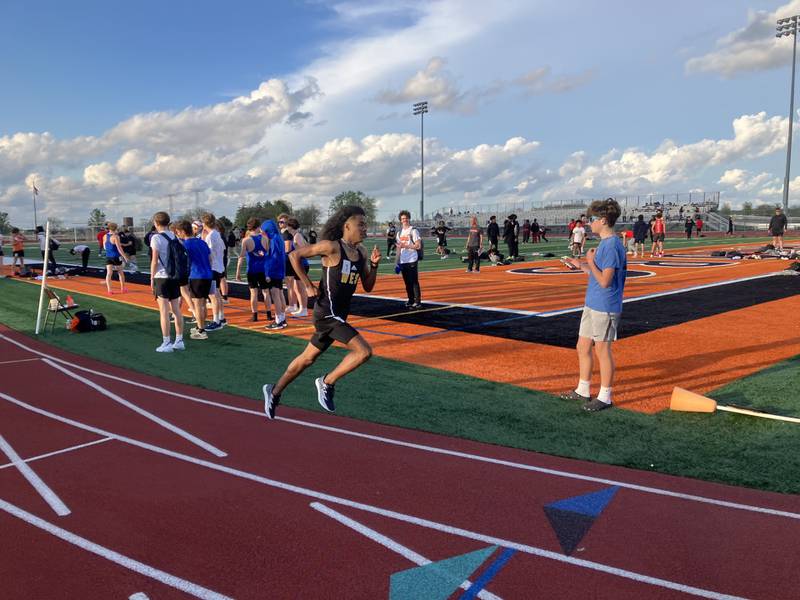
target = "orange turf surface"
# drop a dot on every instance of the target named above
(699, 355)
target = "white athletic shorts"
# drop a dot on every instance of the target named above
(599, 326)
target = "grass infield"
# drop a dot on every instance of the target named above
(720, 447)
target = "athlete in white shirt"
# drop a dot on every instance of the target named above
(217, 246)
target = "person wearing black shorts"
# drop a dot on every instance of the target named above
(198, 284)
(166, 290)
(344, 263)
(254, 250)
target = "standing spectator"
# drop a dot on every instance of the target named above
(777, 226)
(254, 251)
(289, 274)
(474, 246)
(698, 222)
(101, 235)
(688, 226)
(391, 240)
(493, 232)
(147, 238)
(54, 244)
(526, 231)
(17, 251)
(730, 227)
(606, 267)
(570, 227)
(128, 243)
(543, 233)
(275, 270)
(659, 230)
(115, 256)
(511, 236)
(223, 282)
(535, 231)
(166, 290)
(216, 244)
(312, 237)
(440, 231)
(640, 230)
(84, 251)
(408, 243)
(578, 238)
(199, 277)
(298, 241)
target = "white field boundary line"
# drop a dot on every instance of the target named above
(139, 596)
(390, 544)
(183, 585)
(442, 527)
(19, 360)
(57, 452)
(436, 450)
(148, 415)
(40, 486)
(554, 313)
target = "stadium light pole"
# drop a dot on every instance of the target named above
(420, 108)
(786, 27)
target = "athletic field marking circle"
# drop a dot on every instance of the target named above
(631, 273)
(672, 264)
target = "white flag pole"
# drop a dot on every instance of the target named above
(44, 275)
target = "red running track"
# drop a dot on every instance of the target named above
(184, 522)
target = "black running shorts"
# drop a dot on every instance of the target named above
(166, 288)
(275, 283)
(257, 281)
(114, 261)
(200, 288)
(327, 330)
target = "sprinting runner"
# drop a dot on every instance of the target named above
(254, 250)
(659, 232)
(344, 262)
(115, 255)
(217, 246)
(199, 284)
(17, 251)
(440, 231)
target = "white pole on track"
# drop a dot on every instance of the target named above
(44, 276)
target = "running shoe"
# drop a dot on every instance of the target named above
(292, 308)
(275, 326)
(254, 317)
(573, 395)
(223, 322)
(165, 347)
(325, 394)
(178, 345)
(300, 313)
(198, 334)
(270, 400)
(417, 305)
(283, 324)
(596, 405)
(213, 326)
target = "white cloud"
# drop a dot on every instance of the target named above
(751, 48)
(541, 81)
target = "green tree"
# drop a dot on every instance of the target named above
(350, 198)
(5, 224)
(226, 222)
(726, 209)
(747, 208)
(309, 216)
(195, 214)
(261, 211)
(96, 218)
(764, 210)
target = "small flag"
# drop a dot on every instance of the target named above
(35, 190)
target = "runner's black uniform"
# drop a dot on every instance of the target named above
(441, 236)
(336, 289)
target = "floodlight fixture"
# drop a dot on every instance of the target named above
(785, 27)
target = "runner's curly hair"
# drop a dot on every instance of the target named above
(607, 209)
(334, 228)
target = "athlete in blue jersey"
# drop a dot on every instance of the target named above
(254, 250)
(200, 277)
(344, 263)
(115, 256)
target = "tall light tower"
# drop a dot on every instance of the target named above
(420, 108)
(786, 27)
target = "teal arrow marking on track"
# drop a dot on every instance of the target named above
(438, 580)
(590, 505)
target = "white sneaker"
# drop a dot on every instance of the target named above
(300, 313)
(178, 345)
(292, 309)
(165, 347)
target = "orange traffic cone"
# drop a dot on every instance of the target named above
(687, 401)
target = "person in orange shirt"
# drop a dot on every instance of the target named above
(18, 250)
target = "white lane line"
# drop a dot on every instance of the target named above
(64, 451)
(129, 563)
(389, 543)
(40, 486)
(303, 491)
(19, 360)
(139, 596)
(435, 450)
(158, 420)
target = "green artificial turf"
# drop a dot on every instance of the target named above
(716, 447)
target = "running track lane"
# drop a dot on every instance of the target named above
(244, 539)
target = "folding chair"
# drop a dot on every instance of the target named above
(55, 307)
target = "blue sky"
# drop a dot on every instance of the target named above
(116, 105)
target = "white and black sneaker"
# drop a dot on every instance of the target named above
(270, 400)
(325, 394)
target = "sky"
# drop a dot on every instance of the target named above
(120, 105)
